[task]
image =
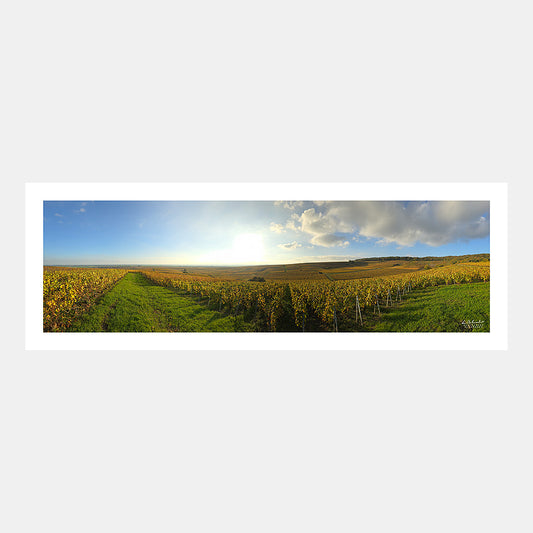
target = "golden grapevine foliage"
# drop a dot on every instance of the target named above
(67, 293)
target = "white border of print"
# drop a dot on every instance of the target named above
(36, 193)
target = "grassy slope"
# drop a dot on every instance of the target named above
(136, 304)
(441, 308)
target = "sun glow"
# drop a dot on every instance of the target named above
(247, 249)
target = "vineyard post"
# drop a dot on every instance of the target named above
(376, 306)
(335, 318)
(358, 310)
(389, 298)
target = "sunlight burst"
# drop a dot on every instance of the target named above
(247, 248)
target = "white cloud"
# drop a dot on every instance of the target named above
(404, 223)
(277, 228)
(290, 245)
(58, 215)
(80, 210)
(321, 227)
(314, 222)
(288, 204)
(294, 222)
(433, 223)
(329, 240)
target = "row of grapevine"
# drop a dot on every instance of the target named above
(67, 293)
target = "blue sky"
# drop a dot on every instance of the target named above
(255, 232)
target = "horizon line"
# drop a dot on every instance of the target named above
(258, 264)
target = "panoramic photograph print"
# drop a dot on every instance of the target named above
(266, 266)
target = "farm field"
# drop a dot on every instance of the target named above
(319, 271)
(383, 294)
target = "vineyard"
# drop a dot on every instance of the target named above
(317, 305)
(294, 305)
(68, 293)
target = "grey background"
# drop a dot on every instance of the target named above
(259, 441)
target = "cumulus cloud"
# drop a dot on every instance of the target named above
(404, 223)
(277, 228)
(329, 240)
(290, 245)
(294, 222)
(288, 204)
(321, 227)
(314, 222)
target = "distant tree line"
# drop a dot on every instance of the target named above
(472, 258)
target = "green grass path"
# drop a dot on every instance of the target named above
(442, 308)
(137, 304)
